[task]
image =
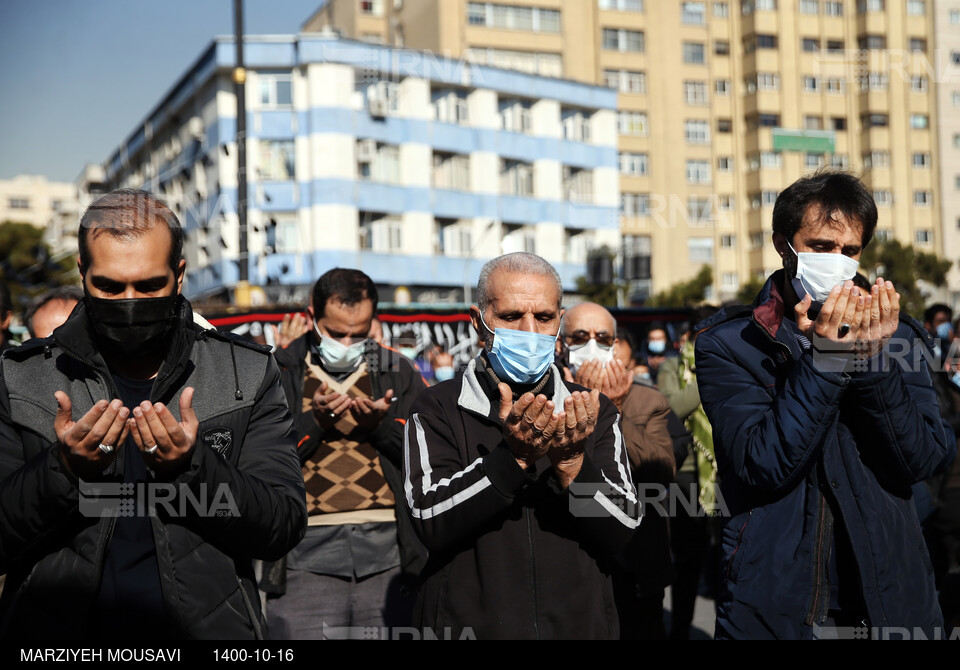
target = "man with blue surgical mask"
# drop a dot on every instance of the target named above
(820, 432)
(518, 482)
(357, 564)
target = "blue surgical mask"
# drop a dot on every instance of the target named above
(656, 346)
(338, 357)
(955, 379)
(519, 356)
(945, 330)
(444, 373)
(409, 352)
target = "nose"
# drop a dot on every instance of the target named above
(528, 324)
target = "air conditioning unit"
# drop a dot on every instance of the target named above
(195, 126)
(378, 107)
(366, 150)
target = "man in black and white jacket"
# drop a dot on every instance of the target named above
(518, 482)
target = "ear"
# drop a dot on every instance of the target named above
(780, 244)
(181, 272)
(5, 320)
(82, 270)
(313, 317)
(477, 326)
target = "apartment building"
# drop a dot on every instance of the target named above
(722, 104)
(411, 167)
(947, 70)
(32, 199)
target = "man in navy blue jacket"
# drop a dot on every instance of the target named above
(823, 416)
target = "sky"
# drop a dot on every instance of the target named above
(77, 76)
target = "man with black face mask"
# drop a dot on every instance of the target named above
(188, 427)
(823, 417)
(518, 482)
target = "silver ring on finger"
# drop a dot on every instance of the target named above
(333, 415)
(152, 450)
(105, 448)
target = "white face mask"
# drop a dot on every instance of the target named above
(338, 357)
(582, 353)
(817, 274)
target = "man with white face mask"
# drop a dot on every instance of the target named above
(820, 432)
(356, 566)
(517, 481)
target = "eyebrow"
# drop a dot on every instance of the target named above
(159, 281)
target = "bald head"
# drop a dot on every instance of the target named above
(589, 317)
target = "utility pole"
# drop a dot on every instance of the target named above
(242, 291)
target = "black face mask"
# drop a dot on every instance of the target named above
(134, 327)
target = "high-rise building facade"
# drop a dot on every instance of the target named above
(722, 104)
(407, 166)
(947, 72)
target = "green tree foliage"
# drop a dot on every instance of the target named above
(602, 294)
(685, 294)
(904, 266)
(25, 263)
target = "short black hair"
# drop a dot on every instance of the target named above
(624, 335)
(346, 285)
(65, 293)
(833, 191)
(127, 214)
(934, 309)
(6, 302)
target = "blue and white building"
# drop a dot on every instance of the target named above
(411, 167)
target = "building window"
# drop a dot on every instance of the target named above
(840, 161)
(622, 5)
(921, 159)
(383, 97)
(918, 84)
(748, 7)
(518, 238)
(721, 47)
(725, 203)
(450, 106)
(693, 13)
(955, 98)
(769, 198)
(577, 184)
(543, 64)
(18, 203)
(699, 211)
(633, 123)
(811, 84)
(809, 6)
(576, 124)
(916, 7)
(917, 44)
(276, 160)
(721, 10)
(633, 164)
(864, 6)
(924, 236)
(875, 120)
(275, 91)
(874, 81)
(615, 39)
(919, 121)
(724, 164)
(371, 7)
(380, 233)
(956, 140)
(728, 241)
(883, 198)
(812, 123)
(625, 81)
(768, 160)
(756, 241)
(763, 81)
(451, 171)
(697, 132)
(763, 121)
(722, 87)
(700, 249)
(955, 17)
(813, 161)
(838, 123)
(695, 92)
(635, 204)
(694, 53)
(833, 8)
(810, 44)
(454, 238)
(876, 159)
(835, 46)
(378, 162)
(922, 198)
(516, 178)
(509, 17)
(730, 281)
(872, 42)
(698, 172)
(515, 116)
(835, 86)
(724, 126)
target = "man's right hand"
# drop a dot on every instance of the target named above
(528, 425)
(328, 407)
(79, 441)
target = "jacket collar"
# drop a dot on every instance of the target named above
(76, 338)
(768, 313)
(475, 398)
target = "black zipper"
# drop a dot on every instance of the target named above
(533, 564)
(819, 604)
(254, 619)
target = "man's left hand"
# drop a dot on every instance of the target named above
(577, 422)
(165, 443)
(369, 413)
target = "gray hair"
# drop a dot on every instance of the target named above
(519, 262)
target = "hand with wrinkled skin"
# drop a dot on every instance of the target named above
(845, 304)
(175, 440)
(529, 425)
(328, 407)
(611, 378)
(369, 413)
(291, 328)
(79, 441)
(577, 422)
